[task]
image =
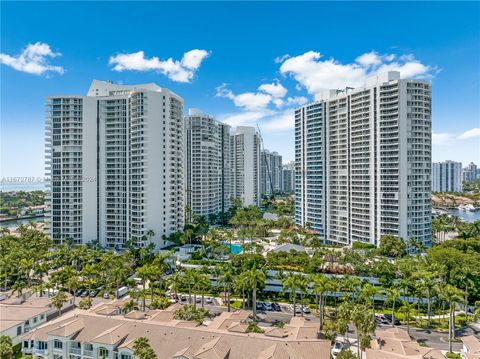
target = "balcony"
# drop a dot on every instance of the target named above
(42, 352)
(77, 351)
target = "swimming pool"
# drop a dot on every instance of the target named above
(234, 248)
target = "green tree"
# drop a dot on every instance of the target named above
(142, 349)
(255, 279)
(451, 295)
(191, 313)
(407, 308)
(6, 347)
(392, 296)
(392, 246)
(320, 285)
(291, 283)
(59, 300)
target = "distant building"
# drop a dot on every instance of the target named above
(288, 177)
(447, 176)
(208, 165)
(115, 159)
(363, 162)
(471, 172)
(246, 157)
(270, 173)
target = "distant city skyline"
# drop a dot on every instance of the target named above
(242, 75)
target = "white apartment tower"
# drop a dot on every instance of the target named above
(447, 176)
(363, 162)
(209, 171)
(246, 158)
(288, 177)
(115, 158)
(270, 172)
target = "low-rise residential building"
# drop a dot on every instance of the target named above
(104, 333)
(395, 343)
(471, 347)
(19, 315)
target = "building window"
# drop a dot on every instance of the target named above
(103, 352)
(125, 356)
(19, 330)
(57, 344)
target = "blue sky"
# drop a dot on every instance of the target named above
(242, 62)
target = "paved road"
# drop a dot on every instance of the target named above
(431, 338)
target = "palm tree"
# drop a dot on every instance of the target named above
(202, 283)
(255, 278)
(321, 284)
(73, 284)
(129, 306)
(240, 285)
(59, 300)
(368, 292)
(427, 284)
(175, 281)
(364, 324)
(407, 308)
(227, 278)
(142, 349)
(291, 283)
(392, 295)
(451, 295)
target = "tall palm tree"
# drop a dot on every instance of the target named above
(292, 283)
(255, 278)
(392, 295)
(451, 295)
(59, 300)
(368, 293)
(240, 286)
(227, 278)
(407, 308)
(320, 285)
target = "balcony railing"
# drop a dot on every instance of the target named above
(75, 351)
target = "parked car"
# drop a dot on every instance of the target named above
(198, 299)
(84, 294)
(93, 293)
(183, 297)
(79, 292)
(276, 307)
(306, 309)
(106, 296)
(260, 306)
(389, 320)
(209, 300)
(336, 349)
(268, 306)
(298, 309)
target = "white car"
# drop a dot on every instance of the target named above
(306, 309)
(337, 348)
(209, 300)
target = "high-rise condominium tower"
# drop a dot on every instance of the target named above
(471, 172)
(246, 157)
(288, 177)
(209, 171)
(447, 176)
(115, 158)
(363, 162)
(270, 172)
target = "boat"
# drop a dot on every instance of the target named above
(462, 207)
(470, 207)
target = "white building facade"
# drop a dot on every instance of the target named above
(447, 176)
(363, 162)
(115, 158)
(209, 170)
(288, 177)
(246, 157)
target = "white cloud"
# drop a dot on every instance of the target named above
(280, 121)
(316, 74)
(474, 132)
(246, 118)
(34, 59)
(274, 89)
(442, 139)
(267, 93)
(280, 59)
(297, 100)
(179, 71)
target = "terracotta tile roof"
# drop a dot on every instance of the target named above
(472, 343)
